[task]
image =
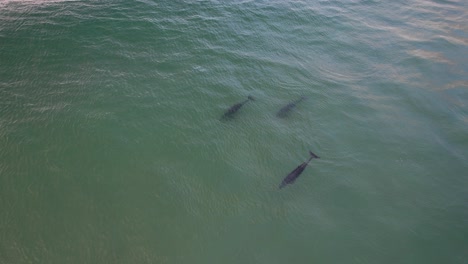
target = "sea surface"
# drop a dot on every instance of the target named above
(113, 150)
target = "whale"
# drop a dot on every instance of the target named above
(233, 109)
(293, 175)
(284, 111)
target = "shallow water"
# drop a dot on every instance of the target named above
(112, 149)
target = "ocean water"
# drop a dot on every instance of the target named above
(112, 149)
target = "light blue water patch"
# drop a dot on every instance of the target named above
(112, 149)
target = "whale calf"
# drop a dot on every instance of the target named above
(283, 112)
(233, 109)
(292, 176)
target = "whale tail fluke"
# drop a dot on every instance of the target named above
(282, 185)
(313, 155)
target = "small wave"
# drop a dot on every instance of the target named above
(430, 56)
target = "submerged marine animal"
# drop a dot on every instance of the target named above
(233, 109)
(292, 176)
(283, 112)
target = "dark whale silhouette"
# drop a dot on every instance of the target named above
(292, 176)
(283, 112)
(233, 109)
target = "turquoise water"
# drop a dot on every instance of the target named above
(112, 149)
